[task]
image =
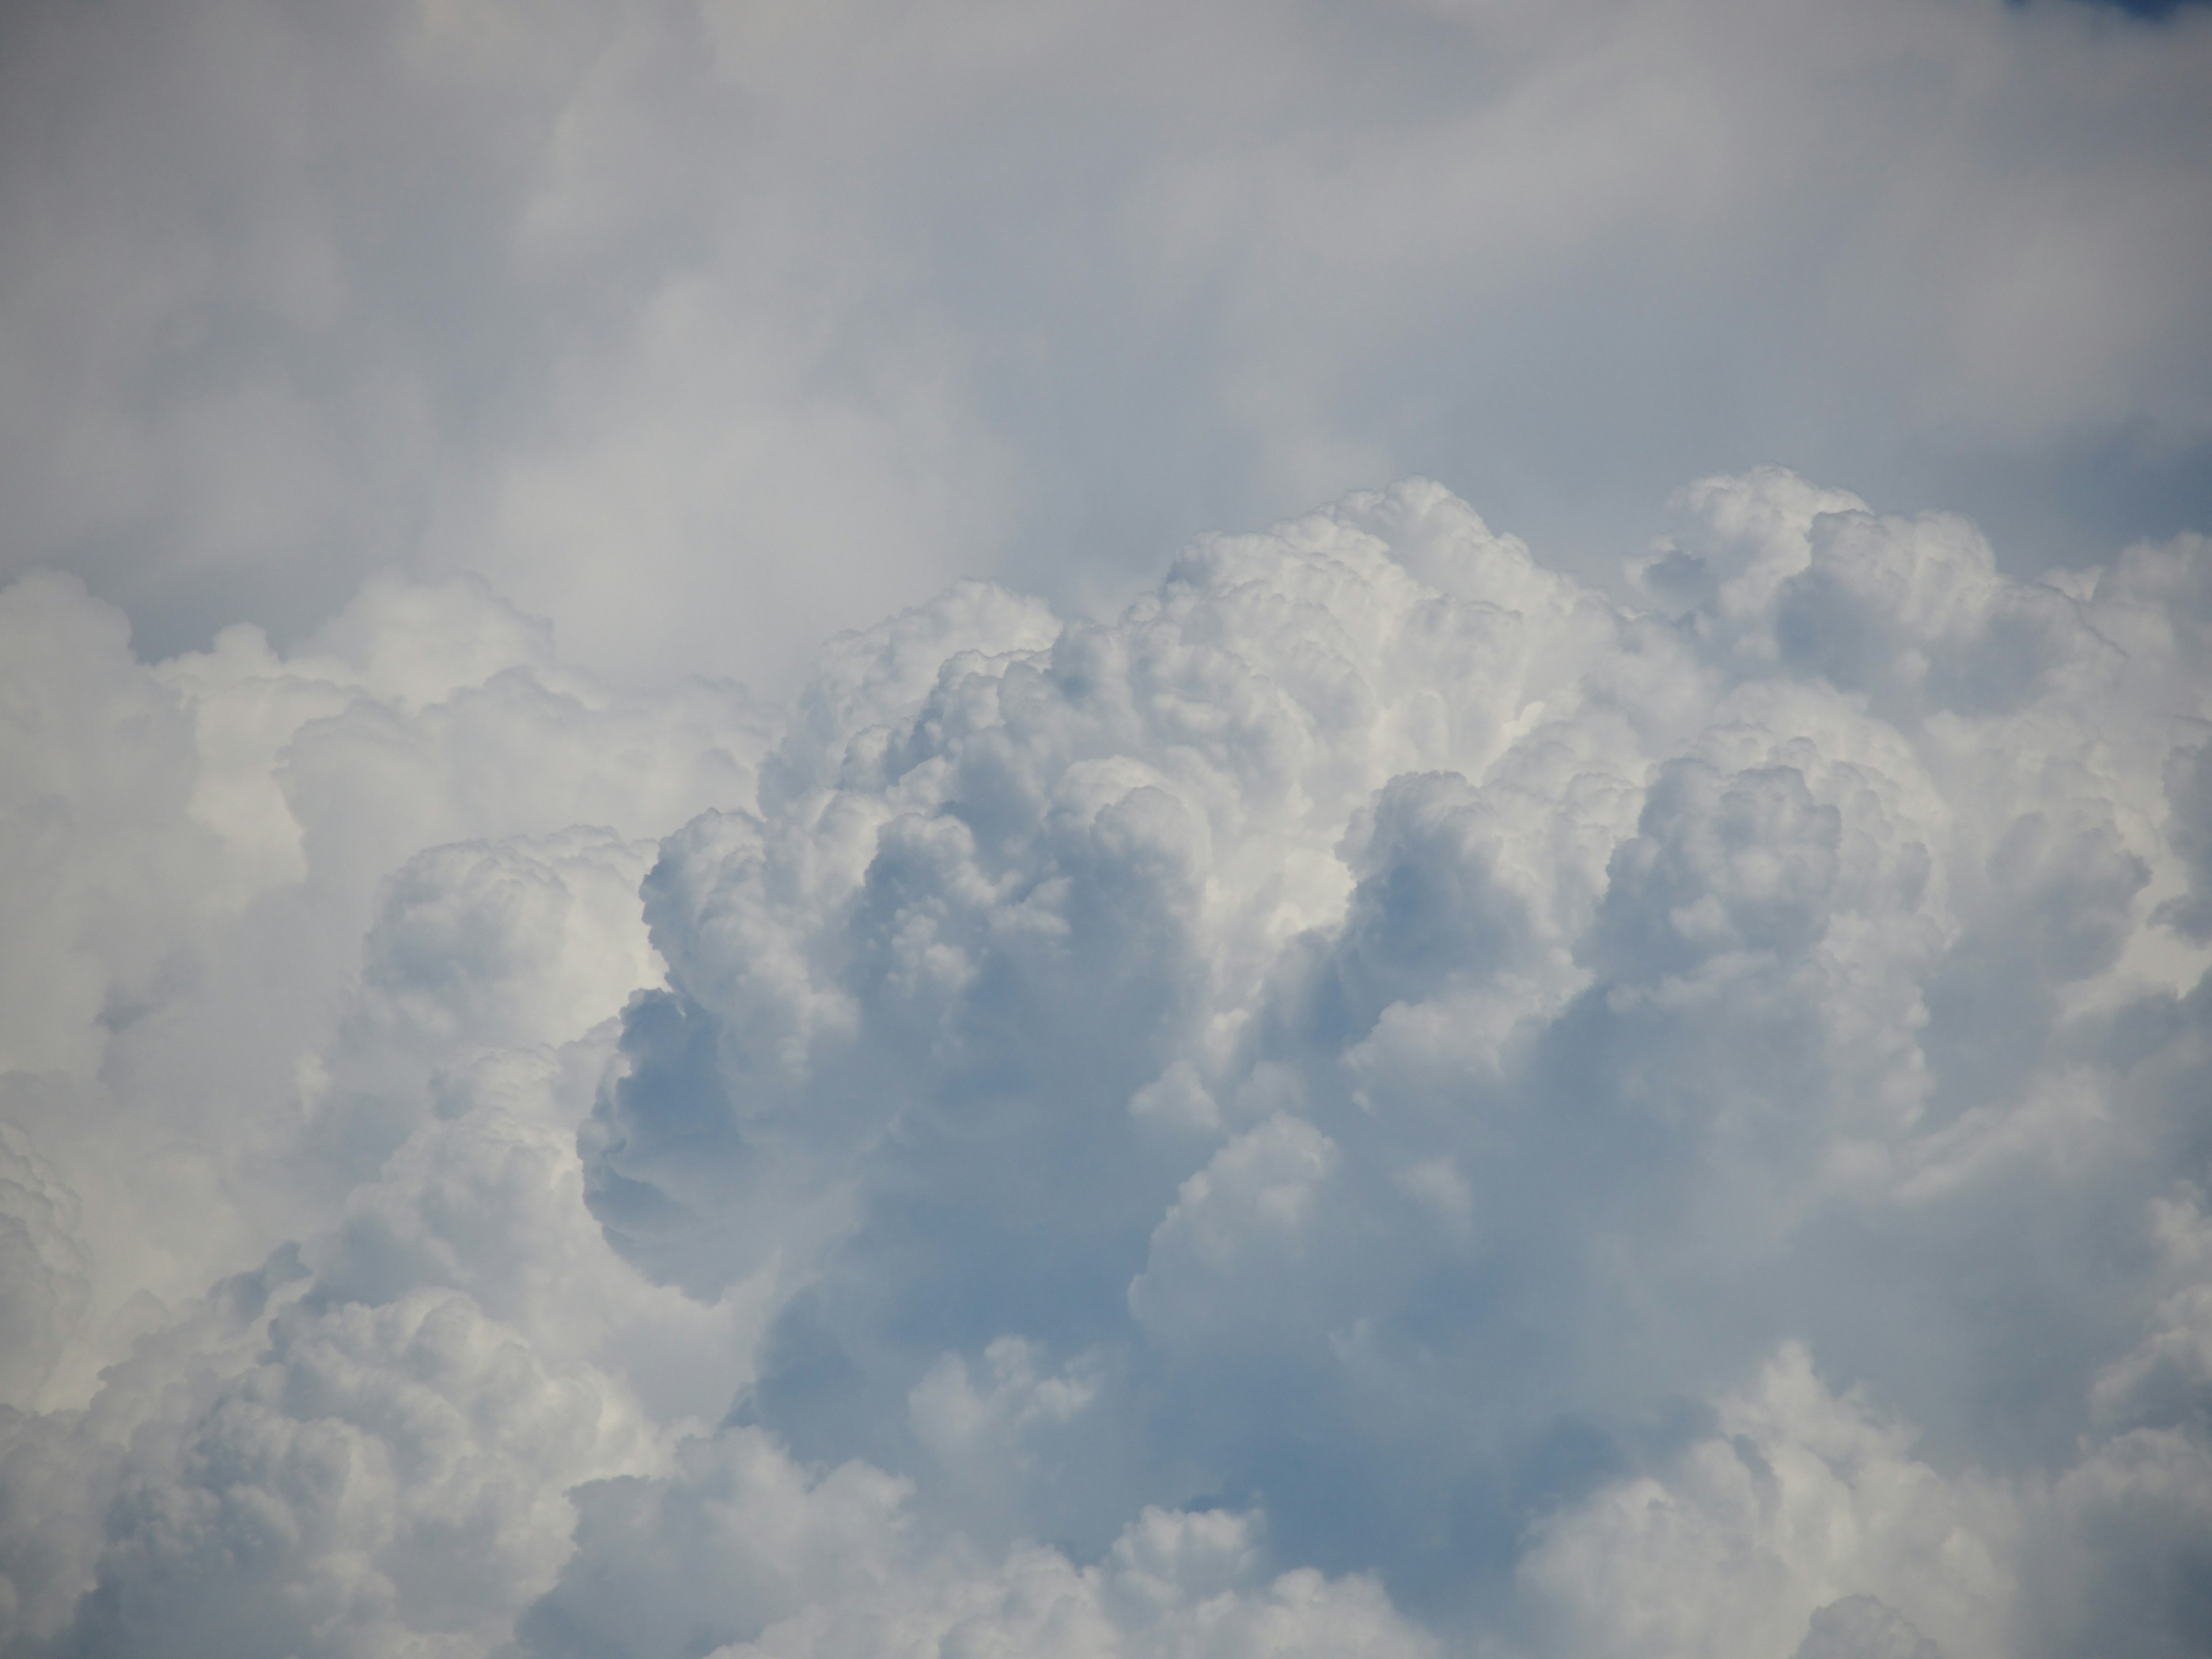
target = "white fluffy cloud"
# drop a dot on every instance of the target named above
(1380, 1102)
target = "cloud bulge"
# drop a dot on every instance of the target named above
(1382, 1101)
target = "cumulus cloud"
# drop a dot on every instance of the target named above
(1381, 1100)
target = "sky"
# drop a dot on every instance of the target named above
(862, 830)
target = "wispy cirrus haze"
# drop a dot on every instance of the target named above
(1602, 1050)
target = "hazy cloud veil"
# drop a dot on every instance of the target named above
(1385, 1093)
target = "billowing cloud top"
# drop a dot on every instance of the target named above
(1382, 1103)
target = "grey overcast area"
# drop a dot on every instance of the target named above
(1105, 829)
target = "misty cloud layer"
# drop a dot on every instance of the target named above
(1382, 1101)
(708, 327)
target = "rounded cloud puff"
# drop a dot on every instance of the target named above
(1381, 1101)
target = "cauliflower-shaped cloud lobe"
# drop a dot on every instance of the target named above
(1384, 1102)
